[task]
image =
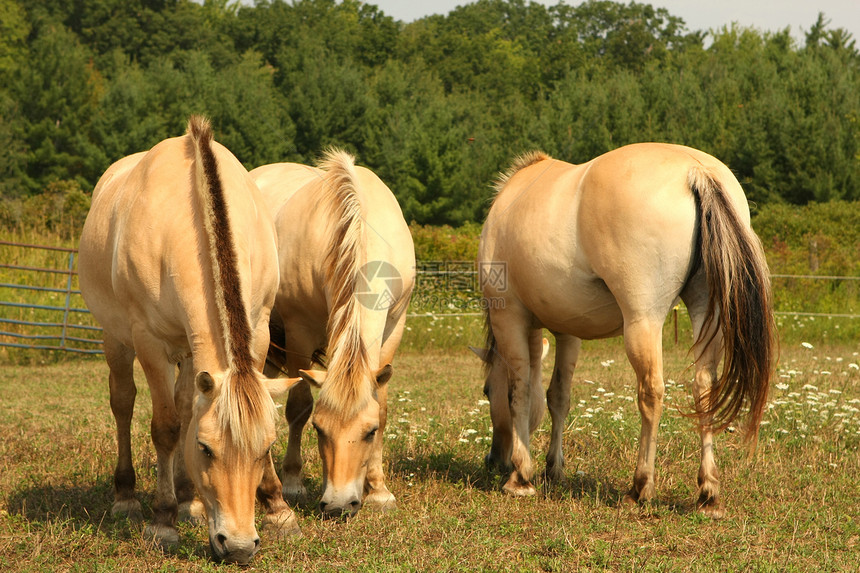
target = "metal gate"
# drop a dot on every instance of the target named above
(26, 324)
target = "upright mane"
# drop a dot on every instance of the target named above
(346, 382)
(242, 402)
(520, 162)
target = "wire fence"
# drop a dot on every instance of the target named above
(41, 306)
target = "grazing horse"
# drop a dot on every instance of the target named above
(178, 264)
(607, 248)
(347, 271)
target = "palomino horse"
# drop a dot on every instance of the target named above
(347, 272)
(607, 248)
(178, 264)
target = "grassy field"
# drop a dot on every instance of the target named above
(793, 507)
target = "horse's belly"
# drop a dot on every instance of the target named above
(584, 311)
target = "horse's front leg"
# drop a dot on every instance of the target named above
(300, 404)
(280, 521)
(190, 507)
(165, 428)
(120, 360)
(376, 493)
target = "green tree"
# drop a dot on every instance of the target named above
(14, 30)
(56, 97)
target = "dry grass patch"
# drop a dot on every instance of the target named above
(793, 507)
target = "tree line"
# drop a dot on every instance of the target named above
(437, 107)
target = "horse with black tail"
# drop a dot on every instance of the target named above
(607, 248)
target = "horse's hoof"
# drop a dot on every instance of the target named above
(630, 499)
(489, 462)
(555, 474)
(493, 462)
(642, 494)
(129, 509)
(711, 508)
(518, 488)
(281, 526)
(634, 499)
(295, 495)
(164, 536)
(380, 501)
(192, 512)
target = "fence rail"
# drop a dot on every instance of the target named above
(35, 337)
(456, 276)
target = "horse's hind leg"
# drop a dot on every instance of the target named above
(120, 360)
(709, 501)
(558, 400)
(496, 390)
(644, 345)
(707, 357)
(510, 327)
(538, 402)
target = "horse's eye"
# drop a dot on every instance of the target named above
(319, 431)
(206, 450)
(269, 450)
(370, 435)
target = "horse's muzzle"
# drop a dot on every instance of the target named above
(340, 511)
(228, 550)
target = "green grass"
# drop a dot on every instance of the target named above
(793, 507)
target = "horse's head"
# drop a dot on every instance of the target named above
(226, 452)
(347, 438)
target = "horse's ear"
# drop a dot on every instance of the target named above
(205, 383)
(277, 387)
(384, 374)
(313, 377)
(481, 353)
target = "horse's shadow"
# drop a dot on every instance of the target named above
(78, 506)
(475, 474)
(88, 508)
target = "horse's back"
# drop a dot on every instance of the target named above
(279, 182)
(143, 256)
(388, 234)
(615, 237)
(124, 231)
(297, 197)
